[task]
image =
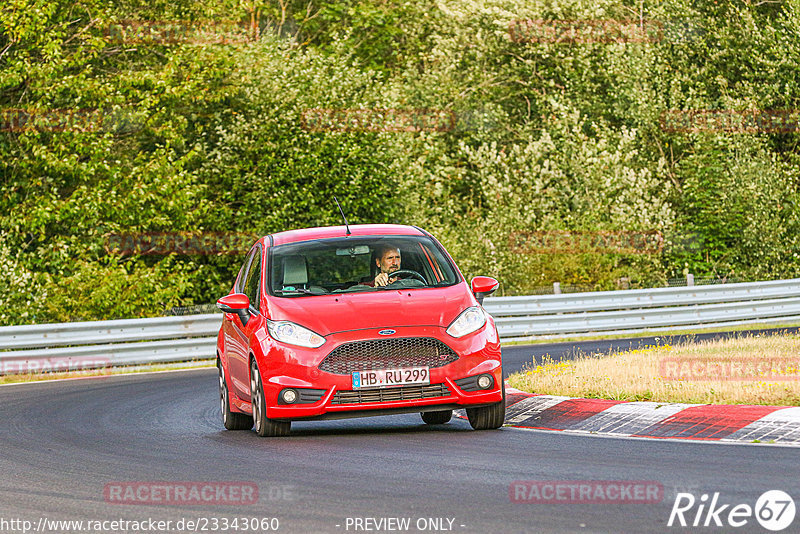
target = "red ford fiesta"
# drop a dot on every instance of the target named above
(326, 323)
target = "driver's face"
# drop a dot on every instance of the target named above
(389, 262)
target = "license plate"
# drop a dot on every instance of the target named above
(391, 377)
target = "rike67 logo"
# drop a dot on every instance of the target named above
(774, 510)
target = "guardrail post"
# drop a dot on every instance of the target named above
(556, 288)
(689, 280)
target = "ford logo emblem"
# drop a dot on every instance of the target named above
(386, 332)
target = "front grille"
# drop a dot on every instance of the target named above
(310, 396)
(361, 396)
(388, 354)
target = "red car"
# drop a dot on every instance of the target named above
(327, 323)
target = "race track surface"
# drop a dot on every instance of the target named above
(63, 442)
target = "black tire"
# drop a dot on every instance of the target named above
(231, 420)
(488, 417)
(437, 418)
(265, 427)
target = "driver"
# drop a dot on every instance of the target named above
(388, 261)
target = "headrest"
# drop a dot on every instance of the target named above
(294, 271)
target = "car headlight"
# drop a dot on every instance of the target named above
(467, 322)
(294, 334)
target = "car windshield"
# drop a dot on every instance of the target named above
(348, 265)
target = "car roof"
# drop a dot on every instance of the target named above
(356, 230)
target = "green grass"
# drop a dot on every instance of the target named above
(665, 373)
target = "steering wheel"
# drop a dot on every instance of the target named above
(414, 274)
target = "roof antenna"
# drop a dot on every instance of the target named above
(343, 217)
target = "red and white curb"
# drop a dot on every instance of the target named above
(726, 423)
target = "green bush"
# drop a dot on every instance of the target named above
(547, 136)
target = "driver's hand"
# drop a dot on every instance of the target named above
(381, 280)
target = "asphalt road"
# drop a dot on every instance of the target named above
(62, 443)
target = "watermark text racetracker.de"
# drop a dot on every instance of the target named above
(76, 365)
(377, 120)
(585, 242)
(114, 120)
(602, 31)
(184, 243)
(695, 368)
(731, 121)
(173, 32)
(51, 120)
(45, 525)
(586, 491)
(223, 493)
(181, 493)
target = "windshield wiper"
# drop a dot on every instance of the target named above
(300, 290)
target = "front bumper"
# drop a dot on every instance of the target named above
(296, 367)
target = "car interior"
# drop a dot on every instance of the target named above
(324, 270)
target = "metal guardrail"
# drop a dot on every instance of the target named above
(673, 308)
(98, 344)
(90, 333)
(640, 298)
(83, 345)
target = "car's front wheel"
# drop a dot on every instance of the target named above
(488, 417)
(264, 425)
(231, 420)
(437, 418)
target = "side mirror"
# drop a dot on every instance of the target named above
(237, 303)
(483, 286)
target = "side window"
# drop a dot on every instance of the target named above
(238, 286)
(253, 280)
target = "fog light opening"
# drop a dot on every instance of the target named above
(485, 381)
(289, 396)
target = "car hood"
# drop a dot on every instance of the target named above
(328, 314)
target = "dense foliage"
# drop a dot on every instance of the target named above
(193, 117)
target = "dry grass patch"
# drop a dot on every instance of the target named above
(743, 370)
